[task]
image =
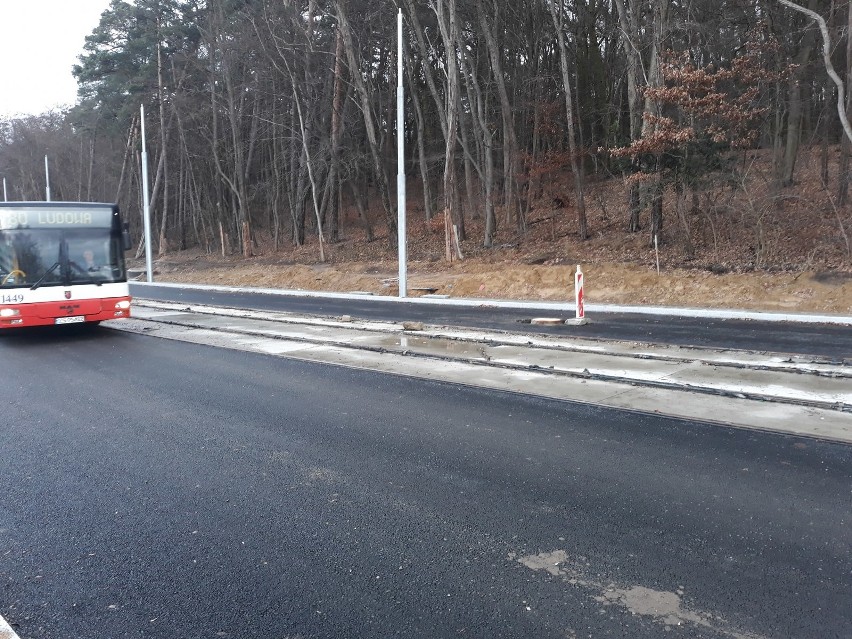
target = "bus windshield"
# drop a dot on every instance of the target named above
(60, 257)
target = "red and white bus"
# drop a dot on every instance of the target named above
(61, 263)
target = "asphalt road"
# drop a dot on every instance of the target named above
(162, 489)
(822, 340)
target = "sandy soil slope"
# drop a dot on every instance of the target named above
(804, 291)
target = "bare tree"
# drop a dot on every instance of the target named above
(629, 23)
(576, 167)
(510, 142)
(367, 112)
(446, 11)
(845, 142)
(826, 57)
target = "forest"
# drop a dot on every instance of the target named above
(275, 121)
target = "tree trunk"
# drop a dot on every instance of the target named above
(795, 103)
(234, 174)
(479, 108)
(448, 26)
(425, 56)
(421, 145)
(336, 134)
(163, 242)
(629, 41)
(655, 79)
(845, 144)
(366, 110)
(576, 167)
(510, 143)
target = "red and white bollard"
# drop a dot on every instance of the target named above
(578, 293)
(580, 319)
(578, 299)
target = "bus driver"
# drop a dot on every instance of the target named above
(89, 261)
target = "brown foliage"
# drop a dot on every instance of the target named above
(720, 104)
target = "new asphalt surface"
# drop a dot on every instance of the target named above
(155, 488)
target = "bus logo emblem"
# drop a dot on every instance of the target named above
(67, 295)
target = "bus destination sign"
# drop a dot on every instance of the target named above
(31, 218)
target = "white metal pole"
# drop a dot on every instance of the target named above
(5, 196)
(146, 204)
(657, 253)
(46, 179)
(400, 160)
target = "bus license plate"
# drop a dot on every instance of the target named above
(73, 319)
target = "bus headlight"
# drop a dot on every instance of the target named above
(123, 304)
(9, 312)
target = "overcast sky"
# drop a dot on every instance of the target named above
(39, 43)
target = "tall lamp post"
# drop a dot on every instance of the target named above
(46, 180)
(146, 204)
(400, 170)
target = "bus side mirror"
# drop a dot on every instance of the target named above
(125, 237)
